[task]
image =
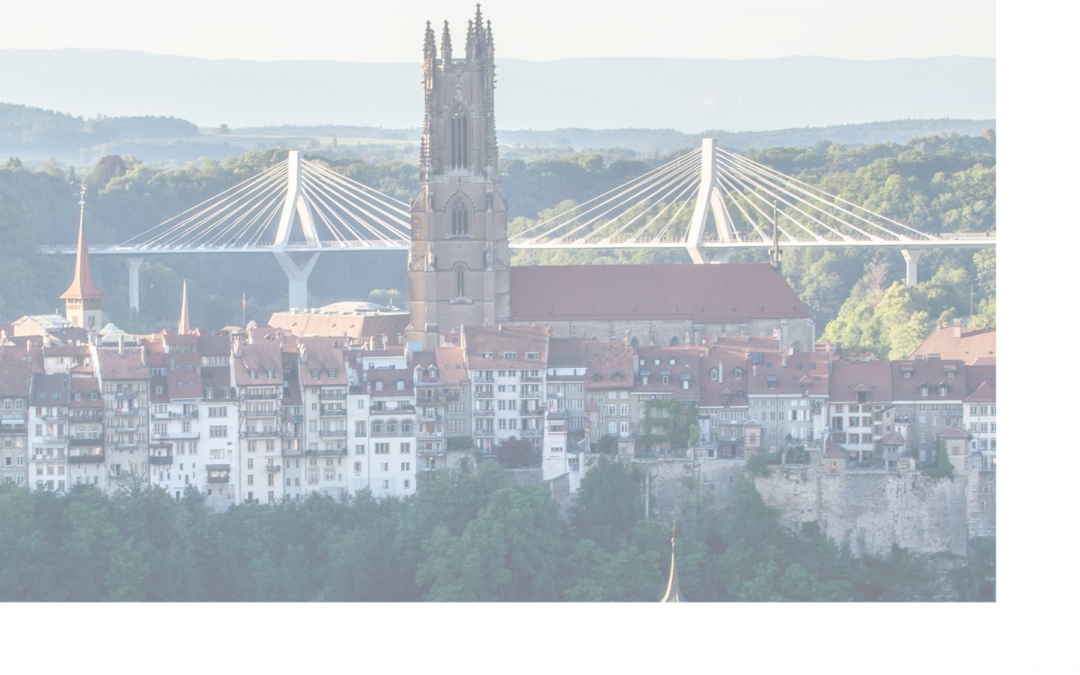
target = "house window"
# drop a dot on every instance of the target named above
(459, 138)
(459, 220)
(924, 391)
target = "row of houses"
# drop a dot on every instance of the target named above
(262, 415)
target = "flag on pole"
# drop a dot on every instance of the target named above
(243, 300)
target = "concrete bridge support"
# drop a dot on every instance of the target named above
(911, 257)
(297, 267)
(133, 265)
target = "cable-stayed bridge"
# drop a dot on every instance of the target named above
(708, 201)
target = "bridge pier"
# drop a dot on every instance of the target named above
(911, 257)
(133, 265)
(297, 268)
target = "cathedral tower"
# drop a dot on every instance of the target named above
(459, 259)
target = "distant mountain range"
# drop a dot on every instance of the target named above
(688, 95)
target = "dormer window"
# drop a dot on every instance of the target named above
(644, 379)
(924, 390)
(253, 374)
(314, 374)
(656, 362)
(532, 356)
(510, 356)
(378, 385)
(332, 374)
(270, 373)
(665, 379)
(907, 373)
(399, 385)
(487, 355)
(738, 373)
(78, 396)
(671, 361)
(93, 396)
(771, 381)
(942, 390)
(158, 391)
(596, 377)
(617, 377)
(714, 374)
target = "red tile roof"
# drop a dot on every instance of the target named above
(732, 293)
(971, 344)
(499, 341)
(15, 378)
(849, 378)
(929, 373)
(610, 365)
(451, 363)
(126, 366)
(985, 393)
(319, 355)
(261, 357)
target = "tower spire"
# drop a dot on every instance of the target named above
(183, 327)
(446, 50)
(82, 299)
(673, 593)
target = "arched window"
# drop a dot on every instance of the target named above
(738, 373)
(376, 428)
(634, 342)
(459, 220)
(714, 374)
(674, 341)
(459, 278)
(391, 427)
(459, 138)
(406, 427)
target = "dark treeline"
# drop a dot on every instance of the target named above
(936, 184)
(27, 127)
(469, 535)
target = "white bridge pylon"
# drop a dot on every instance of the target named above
(708, 201)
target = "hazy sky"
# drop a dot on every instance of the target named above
(392, 31)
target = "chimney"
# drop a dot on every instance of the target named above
(720, 372)
(783, 361)
(940, 324)
(957, 328)
(120, 347)
(753, 370)
(385, 341)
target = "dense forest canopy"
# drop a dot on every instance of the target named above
(936, 184)
(468, 535)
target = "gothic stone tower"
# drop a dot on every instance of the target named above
(459, 259)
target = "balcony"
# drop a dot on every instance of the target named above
(327, 452)
(294, 417)
(261, 412)
(94, 458)
(531, 378)
(399, 410)
(532, 412)
(161, 460)
(484, 413)
(217, 479)
(429, 436)
(178, 436)
(128, 412)
(19, 429)
(481, 394)
(273, 468)
(292, 452)
(429, 418)
(273, 396)
(126, 394)
(53, 417)
(532, 433)
(193, 415)
(43, 457)
(261, 433)
(332, 411)
(86, 416)
(332, 395)
(54, 438)
(334, 433)
(484, 432)
(86, 440)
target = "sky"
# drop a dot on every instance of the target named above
(392, 31)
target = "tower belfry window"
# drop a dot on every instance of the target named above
(459, 220)
(459, 276)
(459, 137)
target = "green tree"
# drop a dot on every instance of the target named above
(608, 504)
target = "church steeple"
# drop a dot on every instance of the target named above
(673, 593)
(183, 327)
(82, 299)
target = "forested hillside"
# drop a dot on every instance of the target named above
(936, 184)
(465, 536)
(24, 127)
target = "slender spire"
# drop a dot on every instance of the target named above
(470, 42)
(184, 325)
(673, 593)
(446, 50)
(429, 43)
(82, 286)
